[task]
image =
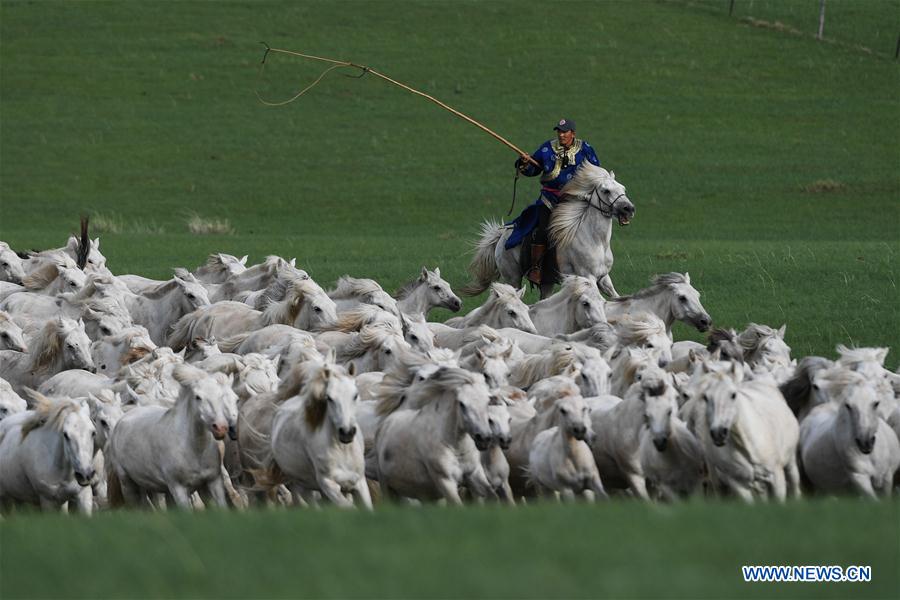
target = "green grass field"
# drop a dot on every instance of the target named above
(762, 162)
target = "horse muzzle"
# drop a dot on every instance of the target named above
(482, 442)
(660, 443)
(866, 445)
(719, 436)
(232, 432)
(346, 435)
(218, 431)
(84, 479)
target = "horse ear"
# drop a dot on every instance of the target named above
(881, 355)
(479, 354)
(521, 292)
(72, 244)
(131, 396)
(781, 331)
(437, 271)
(331, 356)
(293, 262)
(97, 243)
(737, 371)
(424, 275)
(351, 369)
(243, 259)
(687, 278)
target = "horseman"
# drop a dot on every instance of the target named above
(558, 160)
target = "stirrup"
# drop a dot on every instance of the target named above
(534, 275)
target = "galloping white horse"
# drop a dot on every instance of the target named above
(46, 455)
(844, 444)
(10, 402)
(11, 268)
(580, 228)
(316, 443)
(670, 297)
(352, 291)
(11, 337)
(62, 344)
(503, 308)
(577, 305)
(423, 452)
(174, 450)
(426, 292)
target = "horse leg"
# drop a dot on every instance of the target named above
(596, 485)
(130, 491)
(361, 493)
(505, 493)
(792, 475)
(638, 485)
(84, 501)
(50, 505)
(863, 484)
(215, 491)
(181, 496)
(449, 490)
(331, 490)
(606, 286)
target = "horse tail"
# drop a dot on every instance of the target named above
(114, 496)
(483, 267)
(182, 332)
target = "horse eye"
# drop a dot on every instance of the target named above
(4, 335)
(564, 411)
(733, 395)
(190, 296)
(414, 338)
(388, 351)
(876, 404)
(511, 313)
(650, 345)
(66, 435)
(197, 397)
(317, 309)
(585, 303)
(682, 298)
(436, 288)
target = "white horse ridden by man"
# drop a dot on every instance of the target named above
(749, 435)
(560, 459)
(426, 453)
(576, 306)
(11, 335)
(671, 297)
(174, 450)
(11, 267)
(503, 308)
(580, 229)
(845, 445)
(316, 444)
(62, 344)
(46, 455)
(11, 403)
(304, 306)
(425, 292)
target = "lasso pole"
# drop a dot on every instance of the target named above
(365, 69)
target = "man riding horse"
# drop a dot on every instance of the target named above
(558, 160)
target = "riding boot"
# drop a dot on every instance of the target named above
(537, 257)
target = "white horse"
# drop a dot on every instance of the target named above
(586, 365)
(491, 361)
(351, 292)
(493, 460)
(580, 229)
(503, 308)
(55, 277)
(11, 267)
(62, 344)
(560, 459)
(158, 450)
(11, 336)
(304, 306)
(577, 305)
(10, 402)
(749, 435)
(220, 267)
(647, 331)
(46, 455)
(424, 453)
(316, 443)
(844, 444)
(373, 349)
(110, 353)
(670, 297)
(645, 411)
(157, 309)
(257, 277)
(427, 291)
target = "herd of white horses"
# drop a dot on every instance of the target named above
(231, 385)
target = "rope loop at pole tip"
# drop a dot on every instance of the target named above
(363, 70)
(266, 55)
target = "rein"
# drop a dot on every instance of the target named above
(605, 208)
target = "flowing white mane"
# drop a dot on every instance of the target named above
(48, 412)
(352, 287)
(635, 330)
(567, 216)
(658, 284)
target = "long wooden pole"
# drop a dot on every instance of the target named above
(366, 69)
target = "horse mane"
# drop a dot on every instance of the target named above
(567, 215)
(634, 330)
(42, 277)
(370, 336)
(47, 345)
(658, 284)
(291, 293)
(215, 264)
(754, 337)
(545, 392)
(796, 389)
(391, 392)
(356, 318)
(352, 287)
(160, 290)
(553, 361)
(47, 412)
(5, 317)
(851, 357)
(315, 405)
(721, 339)
(98, 282)
(409, 287)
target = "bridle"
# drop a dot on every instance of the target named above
(605, 208)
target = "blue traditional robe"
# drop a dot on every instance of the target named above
(551, 156)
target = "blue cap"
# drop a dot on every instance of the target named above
(565, 125)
